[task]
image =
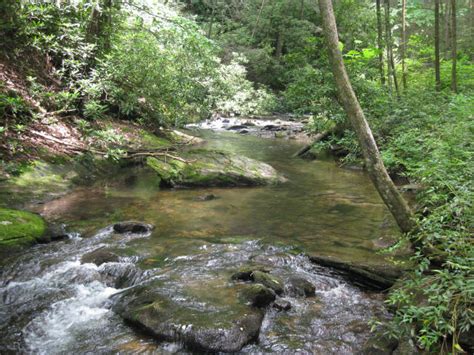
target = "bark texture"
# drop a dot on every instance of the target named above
(376, 169)
(380, 41)
(454, 78)
(437, 61)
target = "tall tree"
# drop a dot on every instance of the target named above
(376, 169)
(447, 28)
(454, 79)
(389, 43)
(436, 38)
(403, 44)
(380, 41)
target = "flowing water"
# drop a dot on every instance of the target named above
(51, 303)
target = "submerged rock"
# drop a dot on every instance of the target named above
(132, 227)
(258, 295)
(213, 168)
(206, 329)
(99, 257)
(208, 197)
(299, 286)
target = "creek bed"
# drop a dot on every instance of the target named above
(54, 304)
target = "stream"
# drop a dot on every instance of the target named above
(52, 303)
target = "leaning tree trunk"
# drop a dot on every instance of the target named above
(376, 169)
(380, 42)
(437, 60)
(454, 78)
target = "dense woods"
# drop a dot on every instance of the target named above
(390, 88)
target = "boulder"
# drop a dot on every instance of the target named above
(257, 295)
(20, 228)
(213, 328)
(270, 281)
(299, 286)
(201, 168)
(132, 227)
(282, 305)
(99, 257)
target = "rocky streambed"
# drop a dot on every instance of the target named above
(286, 266)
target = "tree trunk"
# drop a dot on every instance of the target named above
(380, 42)
(447, 28)
(376, 169)
(454, 79)
(404, 43)
(437, 61)
(390, 61)
(258, 18)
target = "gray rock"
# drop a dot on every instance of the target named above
(282, 305)
(213, 329)
(213, 168)
(299, 286)
(99, 257)
(132, 227)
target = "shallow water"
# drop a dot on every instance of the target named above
(54, 304)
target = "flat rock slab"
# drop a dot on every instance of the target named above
(203, 168)
(373, 277)
(206, 328)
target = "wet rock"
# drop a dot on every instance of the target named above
(379, 345)
(236, 127)
(213, 168)
(466, 339)
(406, 346)
(121, 275)
(243, 131)
(57, 232)
(132, 227)
(213, 329)
(245, 272)
(270, 281)
(99, 257)
(372, 277)
(257, 295)
(299, 286)
(208, 197)
(282, 305)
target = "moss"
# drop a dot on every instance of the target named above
(152, 141)
(20, 227)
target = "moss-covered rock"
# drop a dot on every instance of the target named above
(269, 281)
(257, 295)
(20, 228)
(213, 168)
(213, 328)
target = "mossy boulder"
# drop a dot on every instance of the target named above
(212, 328)
(257, 295)
(20, 228)
(270, 281)
(213, 168)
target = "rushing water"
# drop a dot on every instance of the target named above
(51, 303)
